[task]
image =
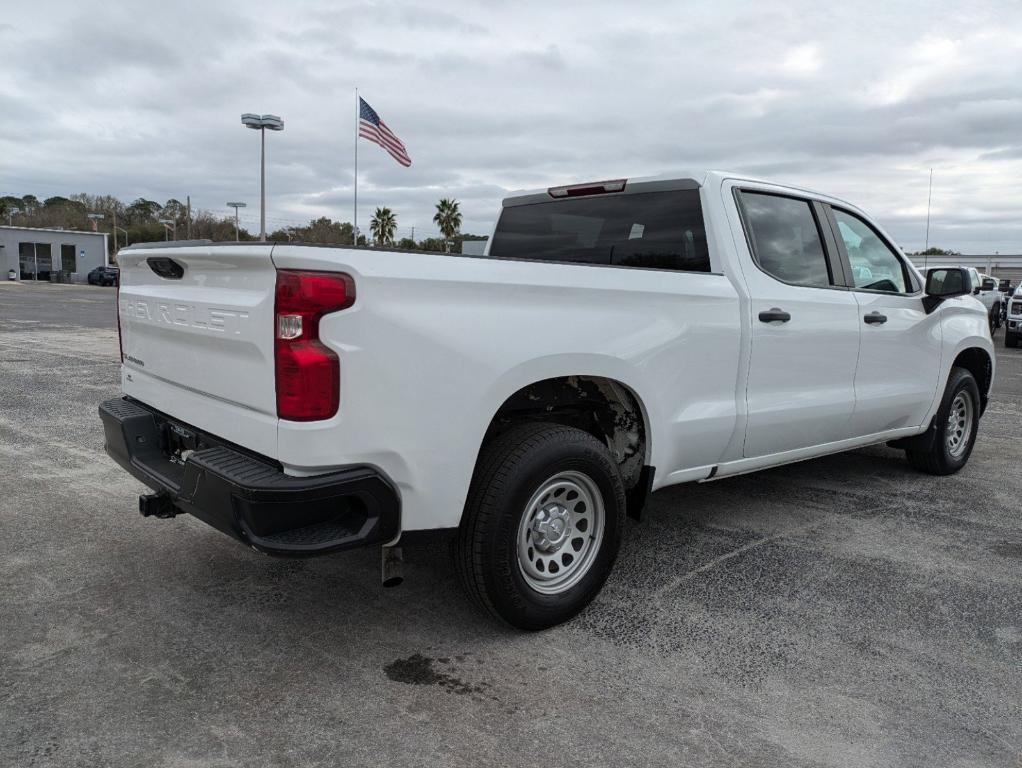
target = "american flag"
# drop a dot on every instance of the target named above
(371, 127)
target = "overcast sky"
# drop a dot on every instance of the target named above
(857, 99)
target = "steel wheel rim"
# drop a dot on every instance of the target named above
(959, 425)
(560, 532)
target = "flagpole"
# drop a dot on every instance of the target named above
(354, 224)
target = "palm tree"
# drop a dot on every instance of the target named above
(448, 219)
(382, 226)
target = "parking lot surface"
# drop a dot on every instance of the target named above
(846, 611)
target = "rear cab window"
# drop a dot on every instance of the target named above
(650, 230)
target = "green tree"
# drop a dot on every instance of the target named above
(407, 243)
(107, 204)
(175, 210)
(322, 230)
(934, 251)
(143, 211)
(433, 244)
(9, 204)
(283, 235)
(218, 228)
(448, 219)
(65, 203)
(382, 226)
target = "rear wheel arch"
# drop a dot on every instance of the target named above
(604, 407)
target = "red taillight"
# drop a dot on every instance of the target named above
(308, 373)
(592, 188)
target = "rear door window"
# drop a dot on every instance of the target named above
(785, 239)
(652, 230)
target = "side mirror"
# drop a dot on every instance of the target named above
(946, 283)
(989, 285)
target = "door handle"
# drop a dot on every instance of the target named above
(774, 315)
(875, 318)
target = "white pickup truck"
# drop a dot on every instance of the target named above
(1013, 321)
(617, 337)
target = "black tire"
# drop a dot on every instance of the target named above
(939, 460)
(510, 471)
(1010, 339)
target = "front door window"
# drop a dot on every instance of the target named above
(875, 267)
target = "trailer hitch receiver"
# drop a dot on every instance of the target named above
(156, 505)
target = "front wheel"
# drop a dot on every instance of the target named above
(957, 422)
(542, 524)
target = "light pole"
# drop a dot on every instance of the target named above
(262, 123)
(168, 225)
(113, 212)
(10, 215)
(236, 206)
(95, 218)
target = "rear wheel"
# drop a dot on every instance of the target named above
(957, 422)
(542, 524)
(1010, 339)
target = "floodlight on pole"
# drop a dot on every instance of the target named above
(236, 206)
(10, 215)
(95, 217)
(262, 123)
(168, 226)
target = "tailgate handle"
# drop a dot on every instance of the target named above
(165, 267)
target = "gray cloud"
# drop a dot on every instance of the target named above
(858, 100)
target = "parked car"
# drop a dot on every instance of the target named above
(993, 298)
(104, 276)
(12, 274)
(1013, 324)
(615, 338)
(986, 290)
(1005, 291)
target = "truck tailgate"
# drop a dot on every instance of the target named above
(197, 337)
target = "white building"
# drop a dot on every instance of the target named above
(1003, 267)
(64, 255)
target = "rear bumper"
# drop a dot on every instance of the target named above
(247, 496)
